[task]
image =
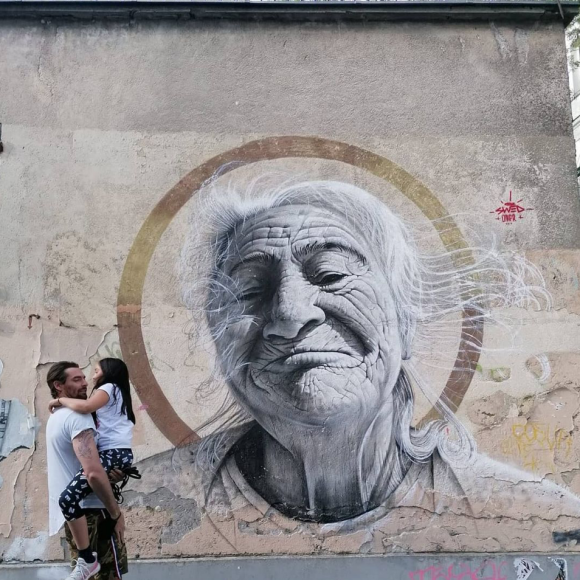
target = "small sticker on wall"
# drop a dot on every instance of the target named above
(525, 567)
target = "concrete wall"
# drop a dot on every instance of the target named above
(102, 120)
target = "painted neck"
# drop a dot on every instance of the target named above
(337, 471)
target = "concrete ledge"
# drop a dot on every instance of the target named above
(400, 567)
(288, 10)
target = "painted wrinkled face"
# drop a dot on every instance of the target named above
(302, 318)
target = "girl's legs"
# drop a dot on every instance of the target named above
(116, 459)
(69, 502)
(80, 533)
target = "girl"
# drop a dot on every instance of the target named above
(111, 405)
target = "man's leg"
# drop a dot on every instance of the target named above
(111, 555)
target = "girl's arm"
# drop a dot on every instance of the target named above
(97, 400)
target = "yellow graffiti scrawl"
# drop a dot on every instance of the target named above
(534, 445)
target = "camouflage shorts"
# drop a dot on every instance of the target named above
(112, 555)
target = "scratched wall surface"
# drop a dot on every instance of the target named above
(463, 131)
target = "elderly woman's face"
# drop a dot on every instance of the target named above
(303, 319)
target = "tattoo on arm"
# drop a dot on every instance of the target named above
(85, 439)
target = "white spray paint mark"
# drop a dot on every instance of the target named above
(28, 549)
(525, 567)
(545, 366)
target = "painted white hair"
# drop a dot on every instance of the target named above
(431, 292)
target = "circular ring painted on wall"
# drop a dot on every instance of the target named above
(129, 300)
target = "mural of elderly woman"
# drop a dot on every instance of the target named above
(318, 302)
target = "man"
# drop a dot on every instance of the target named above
(317, 303)
(71, 445)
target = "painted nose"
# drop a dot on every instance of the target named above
(293, 310)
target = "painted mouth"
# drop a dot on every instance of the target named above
(306, 359)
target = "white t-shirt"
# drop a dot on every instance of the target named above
(114, 428)
(62, 463)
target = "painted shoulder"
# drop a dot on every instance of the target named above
(494, 489)
(189, 471)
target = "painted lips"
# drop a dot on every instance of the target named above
(313, 358)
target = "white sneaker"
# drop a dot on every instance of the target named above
(84, 571)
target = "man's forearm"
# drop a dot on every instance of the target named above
(86, 452)
(100, 484)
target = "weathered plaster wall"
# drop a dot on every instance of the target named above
(101, 120)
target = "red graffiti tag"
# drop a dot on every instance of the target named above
(509, 210)
(461, 571)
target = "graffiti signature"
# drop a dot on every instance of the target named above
(461, 571)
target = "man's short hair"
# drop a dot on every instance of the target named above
(57, 373)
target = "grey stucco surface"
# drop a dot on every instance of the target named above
(493, 567)
(186, 77)
(471, 92)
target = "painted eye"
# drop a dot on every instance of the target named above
(328, 278)
(249, 294)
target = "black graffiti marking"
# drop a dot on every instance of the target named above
(560, 537)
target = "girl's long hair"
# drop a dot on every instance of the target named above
(115, 371)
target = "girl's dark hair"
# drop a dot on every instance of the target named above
(115, 371)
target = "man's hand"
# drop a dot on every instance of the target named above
(54, 404)
(120, 528)
(116, 475)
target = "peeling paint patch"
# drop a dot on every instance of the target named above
(492, 410)
(27, 549)
(17, 427)
(185, 513)
(497, 375)
(563, 369)
(66, 343)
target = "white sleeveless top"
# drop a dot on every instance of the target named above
(114, 428)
